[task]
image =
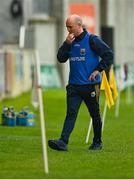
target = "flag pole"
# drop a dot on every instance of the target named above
(89, 130)
(104, 115)
(42, 118)
(117, 105)
(129, 95)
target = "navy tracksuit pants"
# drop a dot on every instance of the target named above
(75, 95)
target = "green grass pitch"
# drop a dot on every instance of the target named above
(21, 149)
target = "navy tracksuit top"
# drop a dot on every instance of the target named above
(83, 61)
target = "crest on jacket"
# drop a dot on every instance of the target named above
(82, 51)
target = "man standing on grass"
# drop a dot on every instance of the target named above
(83, 50)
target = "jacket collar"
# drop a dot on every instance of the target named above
(81, 36)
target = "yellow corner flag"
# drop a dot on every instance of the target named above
(113, 84)
(105, 86)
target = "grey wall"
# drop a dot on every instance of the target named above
(124, 38)
(120, 15)
(9, 27)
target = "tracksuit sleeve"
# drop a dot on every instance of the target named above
(63, 52)
(103, 51)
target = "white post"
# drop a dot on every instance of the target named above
(104, 115)
(89, 130)
(117, 105)
(129, 95)
(42, 119)
(22, 37)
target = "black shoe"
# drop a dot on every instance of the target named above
(58, 145)
(95, 146)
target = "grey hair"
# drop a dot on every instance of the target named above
(78, 21)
